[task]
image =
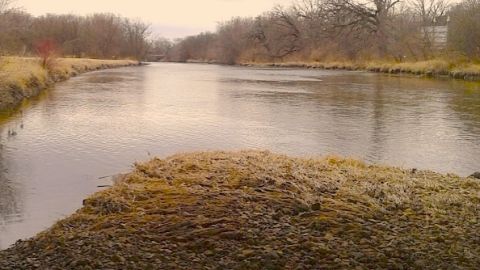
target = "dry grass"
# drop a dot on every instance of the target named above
(67, 67)
(19, 78)
(436, 67)
(24, 77)
(257, 210)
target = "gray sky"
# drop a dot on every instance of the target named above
(169, 18)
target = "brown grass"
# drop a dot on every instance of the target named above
(257, 210)
(433, 68)
(24, 77)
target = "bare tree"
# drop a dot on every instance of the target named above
(364, 19)
(464, 28)
(64, 30)
(431, 13)
(314, 16)
(136, 35)
(6, 6)
(13, 28)
(160, 49)
(97, 36)
(278, 33)
(405, 43)
(233, 39)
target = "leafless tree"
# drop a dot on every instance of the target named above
(6, 6)
(464, 28)
(405, 44)
(233, 39)
(136, 35)
(13, 27)
(278, 33)
(369, 19)
(431, 13)
(314, 16)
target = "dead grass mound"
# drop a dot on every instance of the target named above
(258, 210)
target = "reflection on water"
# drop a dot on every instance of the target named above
(10, 210)
(100, 123)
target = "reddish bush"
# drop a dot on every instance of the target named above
(46, 50)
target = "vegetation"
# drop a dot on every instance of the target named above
(105, 36)
(377, 35)
(395, 33)
(25, 77)
(24, 37)
(465, 25)
(436, 68)
(257, 210)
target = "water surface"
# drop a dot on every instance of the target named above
(99, 123)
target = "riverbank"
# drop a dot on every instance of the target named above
(257, 210)
(22, 78)
(432, 68)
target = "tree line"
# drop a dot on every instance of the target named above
(307, 30)
(333, 30)
(102, 35)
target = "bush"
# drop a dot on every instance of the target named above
(47, 50)
(464, 28)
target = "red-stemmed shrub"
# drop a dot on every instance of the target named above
(47, 50)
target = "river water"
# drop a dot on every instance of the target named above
(56, 148)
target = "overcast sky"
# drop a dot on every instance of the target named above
(170, 18)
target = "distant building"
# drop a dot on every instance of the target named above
(438, 32)
(438, 36)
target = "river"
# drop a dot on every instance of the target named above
(56, 149)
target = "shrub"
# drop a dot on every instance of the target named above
(47, 51)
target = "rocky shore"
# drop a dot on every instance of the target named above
(258, 210)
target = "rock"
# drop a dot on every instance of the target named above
(475, 175)
(316, 206)
(209, 253)
(273, 255)
(247, 252)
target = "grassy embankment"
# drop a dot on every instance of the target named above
(431, 68)
(257, 210)
(24, 77)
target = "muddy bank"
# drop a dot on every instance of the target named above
(22, 78)
(257, 210)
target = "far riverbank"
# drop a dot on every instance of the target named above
(437, 68)
(431, 68)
